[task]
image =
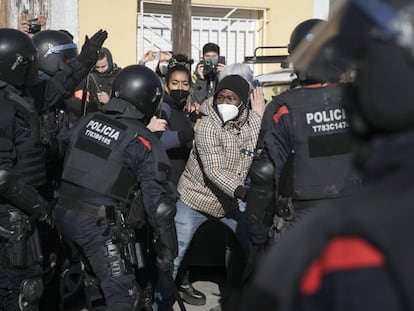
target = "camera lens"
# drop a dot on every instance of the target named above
(34, 26)
(209, 67)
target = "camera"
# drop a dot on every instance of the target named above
(210, 65)
(34, 25)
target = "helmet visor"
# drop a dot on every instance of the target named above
(350, 24)
(69, 50)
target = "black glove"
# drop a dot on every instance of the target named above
(164, 257)
(258, 234)
(240, 193)
(89, 53)
(47, 213)
(165, 237)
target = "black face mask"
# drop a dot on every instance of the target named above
(180, 97)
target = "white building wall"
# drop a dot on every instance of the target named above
(64, 15)
(321, 9)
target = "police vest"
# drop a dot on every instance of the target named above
(94, 159)
(320, 165)
(30, 153)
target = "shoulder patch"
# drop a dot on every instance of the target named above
(341, 254)
(281, 111)
(146, 142)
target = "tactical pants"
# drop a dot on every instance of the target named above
(90, 235)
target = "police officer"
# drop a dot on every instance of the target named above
(22, 170)
(358, 255)
(61, 69)
(44, 94)
(303, 151)
(111, 155)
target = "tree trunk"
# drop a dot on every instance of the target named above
(181, 27)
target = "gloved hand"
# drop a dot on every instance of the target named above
(258, 234)
(46, 214)
(165, 255)
(240, 193)
(89, 53)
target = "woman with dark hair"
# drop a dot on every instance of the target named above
(180, 120)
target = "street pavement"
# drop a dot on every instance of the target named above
(209, 280)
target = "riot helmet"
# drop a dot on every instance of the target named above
(17, 57)
(141, 87)
(376, 35)
(303, 31)
(55, 49)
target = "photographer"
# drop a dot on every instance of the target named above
(206, 73)
(32, 26)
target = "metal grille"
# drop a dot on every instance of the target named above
(237, 37)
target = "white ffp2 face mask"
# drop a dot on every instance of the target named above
(227, 112)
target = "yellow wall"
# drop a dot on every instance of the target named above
(119, 18)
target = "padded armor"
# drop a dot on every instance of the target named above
(165, 228)
(260, 197)
(21, 195)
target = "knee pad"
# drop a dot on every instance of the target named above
(260, 197)
(261, 171)
(31, 291)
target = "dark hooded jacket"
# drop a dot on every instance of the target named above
(95, 82)
(178, 137)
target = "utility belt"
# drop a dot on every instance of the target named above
(286, 206)
(98, 212)
(123, 234)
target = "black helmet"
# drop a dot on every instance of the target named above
(377, 36)
(141, 87)
(17, 57)
(55, 48)
(303, 31)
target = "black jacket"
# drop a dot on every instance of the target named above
(355, 256)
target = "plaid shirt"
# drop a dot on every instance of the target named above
(219, 161)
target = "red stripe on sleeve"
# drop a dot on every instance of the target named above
(146, 143)
(282, 110)
(342, 253)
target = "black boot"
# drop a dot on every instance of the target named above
(147, 299)
(189, 294)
